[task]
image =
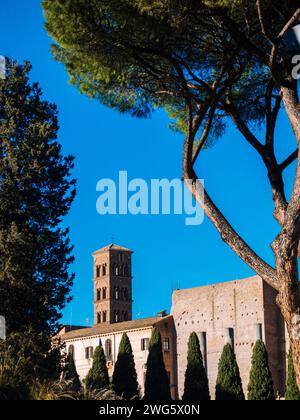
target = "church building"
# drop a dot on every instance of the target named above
(238, 312)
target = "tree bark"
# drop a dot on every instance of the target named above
(285, 278)
(287, 243)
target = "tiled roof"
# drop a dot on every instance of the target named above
(112, 247)
(103, 329)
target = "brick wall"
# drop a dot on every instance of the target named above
(213, 310)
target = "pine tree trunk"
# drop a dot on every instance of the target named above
(287, 243)
(289, 296)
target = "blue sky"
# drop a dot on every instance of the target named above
(167, 253)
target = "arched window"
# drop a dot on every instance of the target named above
(104, 294)
(117, 293)
(104, 316)
(98, 294)
(99, 317)
(98, 268)
(117, 316)
(89, 352)
(108, 349)
(117, 270)
(71, 351)
(125, 294)
(126, 271)
(104, 270)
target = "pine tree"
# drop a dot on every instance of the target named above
(261, 387)
(292, 391)
(157, 387)
(144, 52)
(229, 383)
(196, 382)
(97, 378)
(125, 382)
(70, 374)
(36, 192)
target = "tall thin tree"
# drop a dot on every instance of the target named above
(36, 192)
(292, 390)
(124, 380)
(229, 383)
(261, 387)
(97, 379)
(196, 382)
(70, 374)
(157, 386)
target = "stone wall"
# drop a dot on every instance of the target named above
(241, 308)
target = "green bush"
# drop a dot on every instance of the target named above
(261, 387)
(97, 378)
(124, 381)
(157, 387)
(70, 374)
(292, 390)
(196, 382)
(229, 383)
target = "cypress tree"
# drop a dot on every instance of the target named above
(36, 192)
(229, 383)
(157, 387)
(261, 387)
(97, 378)
(196, 382)
(70, 374)
(292, 390)
(125, 382)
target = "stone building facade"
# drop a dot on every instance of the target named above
(238, 312)
(82, 343)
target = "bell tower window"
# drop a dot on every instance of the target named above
(126, 295)
(126, 270)
(104, 270)
(98, 294)
(104, 318)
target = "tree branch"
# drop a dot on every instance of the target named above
(290, 23)
(271, 115)
(227, 232)
(262, 21)
(204, 135)
(287, 162)
(242, 127)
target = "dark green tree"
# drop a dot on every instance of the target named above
(97, 379)
(196, 382)
(261, 387)
(208, 63)
(124, 380)
(36, 192)
(26, 359)
(229, 383)
(70, 374)
(157, 387)
(292, 391)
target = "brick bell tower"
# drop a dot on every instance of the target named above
(112, 285)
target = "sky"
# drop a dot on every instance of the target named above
(167, 253)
